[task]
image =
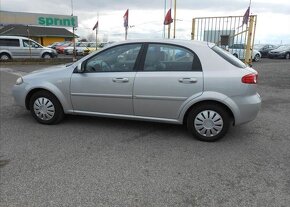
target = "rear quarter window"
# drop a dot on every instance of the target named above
(9, 42)
(229, 57)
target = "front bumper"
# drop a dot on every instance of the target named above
(19, 93)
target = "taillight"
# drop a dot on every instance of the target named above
(250, 78)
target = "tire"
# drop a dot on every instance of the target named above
(235, 55)
(257, 58)
(287, 56)
(5, 56)
(45, 108)
(208, 122)
(46, 56)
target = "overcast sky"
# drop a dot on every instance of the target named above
(146, 17)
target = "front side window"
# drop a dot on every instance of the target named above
(117, 59)
(26, 43)
(162, 57)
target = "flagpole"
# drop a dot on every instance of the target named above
(164, 15)
(169, 31)
(126, 33)
(174, 24)
(73, 29)
(97, 38)
(97, 33)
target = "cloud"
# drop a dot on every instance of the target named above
(147, 16)
(64, 6)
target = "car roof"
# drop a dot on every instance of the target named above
(14, 37)
(185, 43)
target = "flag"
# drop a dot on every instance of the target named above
(126, 18)
(246, 16)
(96, 26)
(168, 19)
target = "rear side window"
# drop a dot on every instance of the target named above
(229, 57)
(9, 42)
(165, 57)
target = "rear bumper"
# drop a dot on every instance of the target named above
(247, 108)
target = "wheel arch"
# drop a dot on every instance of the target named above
(6, 52)
(59, 97)
(196, 104)
(46, 52)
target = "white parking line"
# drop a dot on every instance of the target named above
(13, 72)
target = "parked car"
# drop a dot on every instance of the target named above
(79, 47)
(239, 51)
(21, 47)
(282, 51)
(60, 48)
(92, 47)
(53, 45)
(56, 44)
(205, 88)
(264, 49)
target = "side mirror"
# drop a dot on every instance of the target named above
(80, 68)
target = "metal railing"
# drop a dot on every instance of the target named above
(228, 32)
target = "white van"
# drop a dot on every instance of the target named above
(22, 47)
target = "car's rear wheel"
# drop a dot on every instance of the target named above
(5, 56)
(257, 58)
(208, 122)
(46, 108)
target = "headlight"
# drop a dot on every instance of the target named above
(19, 81)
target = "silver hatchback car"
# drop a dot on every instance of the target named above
(174, 81)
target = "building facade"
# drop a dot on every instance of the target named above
(43, 35)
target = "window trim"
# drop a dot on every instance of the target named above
(144, 53)
(84, 63)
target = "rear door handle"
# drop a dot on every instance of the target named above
(120, 80)
(187, 80)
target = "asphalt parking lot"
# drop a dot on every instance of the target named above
(88, 161)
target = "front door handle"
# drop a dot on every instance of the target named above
(187, 80)
(120, 80)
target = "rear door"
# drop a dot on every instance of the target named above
(171, 75)
(10, 44)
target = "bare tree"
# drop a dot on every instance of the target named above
(91, 37)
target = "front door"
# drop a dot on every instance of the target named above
(171, 75)
(106, 85)
(31, 48)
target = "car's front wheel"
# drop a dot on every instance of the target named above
(46, 108)
(46, 56)
(208, 122)
(257, 58)
(287, 56)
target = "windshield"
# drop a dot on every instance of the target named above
(229, 57)
(257, 47)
